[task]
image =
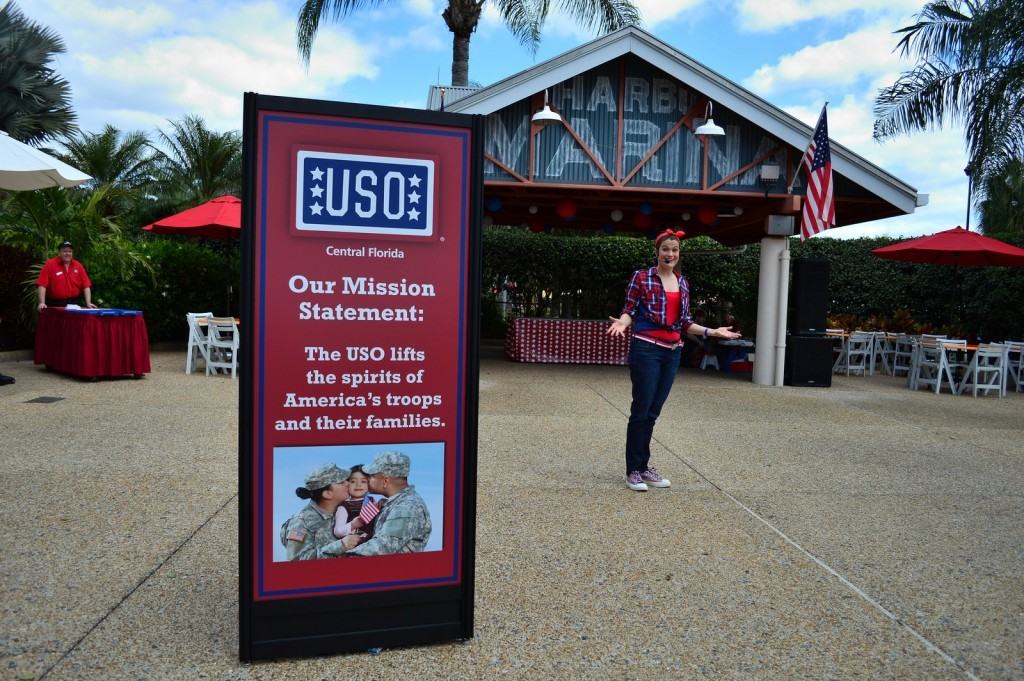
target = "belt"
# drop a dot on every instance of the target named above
(659, 343)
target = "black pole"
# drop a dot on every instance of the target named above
(970, 187)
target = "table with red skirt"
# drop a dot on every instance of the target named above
(564, 341)
(92, 343)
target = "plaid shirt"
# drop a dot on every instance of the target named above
(645, 302)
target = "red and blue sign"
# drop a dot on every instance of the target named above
(362, 193)
(359, 314)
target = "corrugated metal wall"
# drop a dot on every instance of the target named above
(652, 104)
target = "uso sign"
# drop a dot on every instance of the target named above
(357, 424)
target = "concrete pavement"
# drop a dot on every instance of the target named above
(861, 531)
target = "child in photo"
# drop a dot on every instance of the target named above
(346, 519)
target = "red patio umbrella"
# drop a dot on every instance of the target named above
(957, 246)
(219, 218)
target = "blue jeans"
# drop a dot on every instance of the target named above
(652, 369)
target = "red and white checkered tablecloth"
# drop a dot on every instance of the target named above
(564, 341)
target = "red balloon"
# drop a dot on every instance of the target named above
(642, 221)
(566, 209)
(536, 226)
(707, 215)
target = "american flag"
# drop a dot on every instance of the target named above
(820, 204)
(369, 511)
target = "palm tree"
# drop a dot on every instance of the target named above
(970, 71)
(1002, 210)
(121, 162)
(524, 18)
(35, 102)
(197, 164)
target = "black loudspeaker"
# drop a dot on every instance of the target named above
(808, 361)
(809, 294)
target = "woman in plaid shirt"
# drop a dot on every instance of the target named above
(658, 308)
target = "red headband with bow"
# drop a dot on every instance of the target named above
(678, 234)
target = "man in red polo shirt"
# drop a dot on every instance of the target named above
(63, 280)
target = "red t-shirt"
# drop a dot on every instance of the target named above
(63, 282)
(671, 316)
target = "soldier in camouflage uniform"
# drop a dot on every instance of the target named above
(403, 525)
(310, 530)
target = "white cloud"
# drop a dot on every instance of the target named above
(205, 67)
(864, 53)
(424, 8)
(132, 19)
(758, 15)
(654, 12)
(559, 24)
(431, 36)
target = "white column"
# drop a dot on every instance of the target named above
(783, 313)
(767, 310)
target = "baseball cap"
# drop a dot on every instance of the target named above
(326, 475)
(394, 464)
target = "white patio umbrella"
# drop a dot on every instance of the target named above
(23, 168)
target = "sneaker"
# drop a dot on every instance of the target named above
(635, 483)
(652, 477)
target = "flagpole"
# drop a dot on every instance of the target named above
(789, 189)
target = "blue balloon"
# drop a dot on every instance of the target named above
(646, 208)
(493, 204)
(548, 229)
(608, 228)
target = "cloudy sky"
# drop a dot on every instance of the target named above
(137, 64)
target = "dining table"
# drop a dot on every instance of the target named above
(93, 343)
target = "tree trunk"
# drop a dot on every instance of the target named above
(461, 17)
(460, 59)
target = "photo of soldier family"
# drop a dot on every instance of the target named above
(357, 500)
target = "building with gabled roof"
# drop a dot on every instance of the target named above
(624, 157)
(629, 105)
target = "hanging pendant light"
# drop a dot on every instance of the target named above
(546, 116)
(709, 128)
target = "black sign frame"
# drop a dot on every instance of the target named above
(323, 625)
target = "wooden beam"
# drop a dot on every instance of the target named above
(505, 167)
(745, 168)
(618, 130)
(620, 189)
(686, 120)
(589, 153)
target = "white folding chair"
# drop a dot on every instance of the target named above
(223, 345)
(932, 364)
(1015, 364)
(838, 337)
(987, 370)
(858, 352)
(903, 354)
(197, 340)
(885, 350)
(709, 359)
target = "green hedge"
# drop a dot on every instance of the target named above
(586, 276)
(187, 277)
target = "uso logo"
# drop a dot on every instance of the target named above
(364, 194)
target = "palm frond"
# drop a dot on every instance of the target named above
(524, 19)
(604, 16)
(312, 12)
